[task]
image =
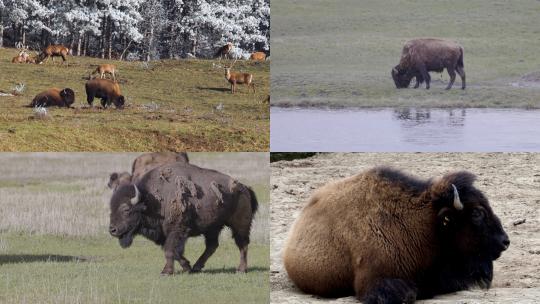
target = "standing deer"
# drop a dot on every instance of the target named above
(103, 69)
(238, 78)
(54, 51)
(224, 51)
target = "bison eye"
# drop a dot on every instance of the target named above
(478, 215)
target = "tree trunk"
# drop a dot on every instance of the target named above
(79, 42)
(150, 40)
(109, 42)
(1, 29)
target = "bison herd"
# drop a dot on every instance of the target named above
(387, 237)
(167, 200)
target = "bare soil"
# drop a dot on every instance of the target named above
(511, 181)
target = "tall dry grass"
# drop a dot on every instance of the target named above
(66, 193)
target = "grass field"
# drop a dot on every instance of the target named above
(340, 53)
(170, 106)
(54, 246)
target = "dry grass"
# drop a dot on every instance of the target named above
(170, 106)
(66, 194)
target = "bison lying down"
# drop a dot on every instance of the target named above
(54, 97)
(390, 238)
(175, 201)
(143, 164)
(420, 56)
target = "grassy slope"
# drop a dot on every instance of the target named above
(186, 92)
(54, 247)
(341, 52)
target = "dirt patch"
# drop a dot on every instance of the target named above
(511, 182)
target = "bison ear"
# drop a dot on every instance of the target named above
(446, 191)
(445, 218)
(114, 176)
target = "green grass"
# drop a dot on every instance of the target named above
(185, 92)
(54, 246)
(340, 53)
(51, 269)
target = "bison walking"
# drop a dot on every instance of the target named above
(176, 201)
(421, 56)
(391, 238)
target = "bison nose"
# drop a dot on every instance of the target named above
(113, 230)
(505, 242)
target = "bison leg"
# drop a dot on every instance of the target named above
(417, 84)
(179, 256)
(212, 243)
(452, 74)
(174, 243)
(461, 73)
(390, 291)
(425, 75)
(90, 99)
(241, 237)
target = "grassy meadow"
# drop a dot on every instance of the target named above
(170, 105)
(54, 245)
(340, 53)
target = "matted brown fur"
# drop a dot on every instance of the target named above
(375, 225)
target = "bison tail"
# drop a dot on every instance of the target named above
(460, 59)
(253, 200)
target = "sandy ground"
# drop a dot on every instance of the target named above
(510, 181)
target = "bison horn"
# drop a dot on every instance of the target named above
(136, 198)
(457, 202)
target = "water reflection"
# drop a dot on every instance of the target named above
(405, 129)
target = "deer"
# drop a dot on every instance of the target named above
(224, 51)
(54, 50)
(238, 78)
(103, 69)
(23, 56)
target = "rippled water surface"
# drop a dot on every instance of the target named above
(405, 130)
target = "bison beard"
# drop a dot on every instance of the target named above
(395, 239)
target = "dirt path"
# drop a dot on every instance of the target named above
(510, 181)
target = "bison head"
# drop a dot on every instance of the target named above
(68, 96)
(471, 234)
(126, 214)
(119, 102)
(402, 78)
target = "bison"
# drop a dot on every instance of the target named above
(54, 50)
(119, 179)
(143, 164)
(107, 90)
(391, 238)
(420, 56)
(176, 201)
(54, 97)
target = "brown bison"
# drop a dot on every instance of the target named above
(54, 97)
(54, 50)
(149, 161)
(421, 56)
(258, 56)
(107, 90)
(176, 201)
(391, 238)
(119, 179)
(145, 163)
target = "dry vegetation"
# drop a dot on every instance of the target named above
(171, 105)
(54, 245)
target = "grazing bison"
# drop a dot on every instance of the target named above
(119, 179)
(176, 201)
(149, 161)
(54, 50)
(391, 238)
(107, 90)
(420, 56)
(54, 97)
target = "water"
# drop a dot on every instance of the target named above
(404, 130)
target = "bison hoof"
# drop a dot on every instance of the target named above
(167, 272)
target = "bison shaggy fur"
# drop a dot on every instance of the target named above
(107, 90)
(176, 201)
(421, 56)
(54, 97)
(391, 238)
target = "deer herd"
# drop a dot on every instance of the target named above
(108, 89)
